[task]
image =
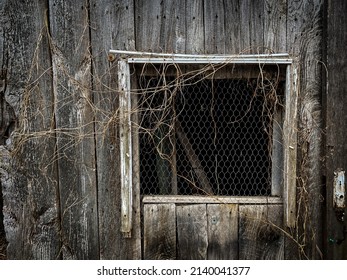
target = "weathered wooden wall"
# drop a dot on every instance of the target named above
(335, 122)
(60, 168)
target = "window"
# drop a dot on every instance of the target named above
(207, 136)
(207, 126)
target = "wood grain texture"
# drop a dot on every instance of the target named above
(82, 176)
(195, 36)
(304, 37)
(159, 231)
(27, 167)
(222, 224)
(112, 27)
(335, 122)
(214, 27)
(232, 18)
(192, 232)
(160, 26)
(256, 28)
(275, 26)
(245, 37)
(125, 147)
(212, 199)
(260, 236)
(69, 25)
(290, 146)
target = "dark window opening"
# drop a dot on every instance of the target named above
(206, 136)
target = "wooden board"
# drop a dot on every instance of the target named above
(71, 57)
(275, 26)
(159, 229)
(28, 171)
(245, 38)
(195, 38)
(304, 31)
(232, 17)
(192, 232)
(335, 123)
(188, 199)
(256, 26)
(290, 146)
(214, 27)
(160, 26)
(222, 224)
(260, 235)
(112, 28)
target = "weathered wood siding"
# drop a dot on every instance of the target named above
(29, 173)
(60, 168)
(335, 102)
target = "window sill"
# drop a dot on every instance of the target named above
(212, 199)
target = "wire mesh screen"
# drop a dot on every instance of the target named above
(202, 136)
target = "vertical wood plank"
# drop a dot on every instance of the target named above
(233, 27)
(159, 230)
(222, 223)
(173, 39)
(214, 27)
(126, 154)
(245, 36)
(148, 16)
(290, 146)
(256, 22)
(27, 166)
(336, 123)
(160, 26)
(304, 39)
(195, 36)
(260, 236)
(192, 232)
(69, 25)
(295, 19)
(112, 27)
(275, 26)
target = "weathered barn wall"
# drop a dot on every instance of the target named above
(60, 167)
(335, 123)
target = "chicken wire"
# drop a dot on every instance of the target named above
(203, 136)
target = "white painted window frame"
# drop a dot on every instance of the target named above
(126, 134)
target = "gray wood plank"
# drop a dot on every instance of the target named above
(75, 129)
(160, 26)
(245, 36)
(173, 30)
(304, 31)
(222, 223)
(195, 36)
(256, 26)
(148, 16)
(214, 27)
(290, 146)
(112, 27)
(260, 236)
(192, 232)
(159, 229)
(336, 122)
(212, 199)
(275, 26)
(233, 27)
(27, 166)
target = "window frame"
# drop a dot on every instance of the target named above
(129, 139)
